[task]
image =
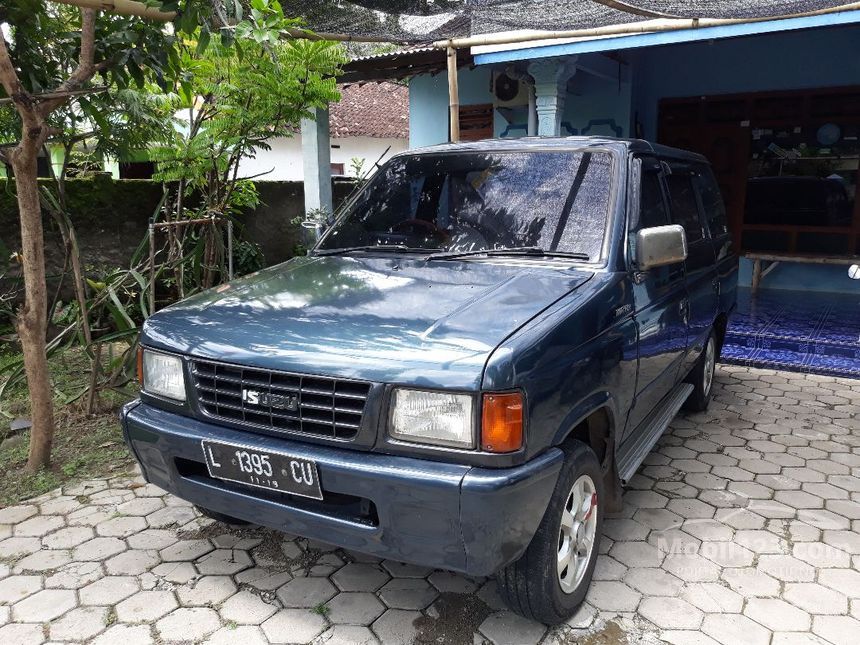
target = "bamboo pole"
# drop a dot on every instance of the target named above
(644, 27)
(453, 96)
(122, 7)
(183, 222)
(151, 268)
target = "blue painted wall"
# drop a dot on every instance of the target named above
(592, 99)
(826, 57)
(792, 60)
(428, 103)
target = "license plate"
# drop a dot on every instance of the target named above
(261, 468)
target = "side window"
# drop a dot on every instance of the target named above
(685, 209)
(712, 202)
(652, 207)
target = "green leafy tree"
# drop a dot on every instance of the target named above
(232, 100)
(40, 42)
(235, 96)
(59, 54)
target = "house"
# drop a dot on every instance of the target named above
(370, 123)
(773, 102)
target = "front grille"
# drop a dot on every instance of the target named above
(314, 405)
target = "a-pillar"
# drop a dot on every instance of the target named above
(551, 76)
(316, 161)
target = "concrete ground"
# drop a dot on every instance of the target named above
(743, 526)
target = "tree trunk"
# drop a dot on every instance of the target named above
(32, 316)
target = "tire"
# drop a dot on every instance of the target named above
(220, 517)
(702, 377)
(532, 586)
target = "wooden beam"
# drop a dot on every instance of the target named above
(801, 259)
(453, 95)
(45, 96)
(123, 8)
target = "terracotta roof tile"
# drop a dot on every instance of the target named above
(379, 110)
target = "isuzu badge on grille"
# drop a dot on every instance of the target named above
(276, 401)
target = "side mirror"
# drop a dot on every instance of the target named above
(660, 245)
(854, 272)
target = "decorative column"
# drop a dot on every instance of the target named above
(316, 162)
(551, 76)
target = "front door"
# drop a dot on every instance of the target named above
(727, 147)
(660, 301)
(701, 278)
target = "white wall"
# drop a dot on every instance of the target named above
(284, 161)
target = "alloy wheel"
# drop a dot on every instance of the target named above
(709, 367)
(577, 534)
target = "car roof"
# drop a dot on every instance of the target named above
(550, 143)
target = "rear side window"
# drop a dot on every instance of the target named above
(685, 209)
(712, 202)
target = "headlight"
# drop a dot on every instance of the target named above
(433, 417)
(163, 376)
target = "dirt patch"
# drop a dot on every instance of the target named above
(85, 446)
(217, 529)
(458, 617)
(268, 554)
(610, 634)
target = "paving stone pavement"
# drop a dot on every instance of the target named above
(742, 526)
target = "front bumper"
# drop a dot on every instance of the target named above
(451, 516)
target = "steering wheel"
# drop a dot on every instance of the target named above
(419, 227)
(429, 227)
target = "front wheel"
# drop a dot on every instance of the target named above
(702, 377)
(550, 580)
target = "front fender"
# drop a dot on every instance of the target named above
(581, 355)
(581, 411)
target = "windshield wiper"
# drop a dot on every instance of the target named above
(400, 248)
(530, 251)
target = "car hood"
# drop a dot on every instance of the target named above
(393, 320)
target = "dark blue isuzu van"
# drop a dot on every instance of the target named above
(465, 370)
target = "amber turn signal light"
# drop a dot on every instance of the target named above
(140, 366)
(502, 422)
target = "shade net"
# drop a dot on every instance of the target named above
(421, 21)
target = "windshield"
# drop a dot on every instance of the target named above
(472, 201)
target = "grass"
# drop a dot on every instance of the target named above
(321, 609)
(85, 446)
